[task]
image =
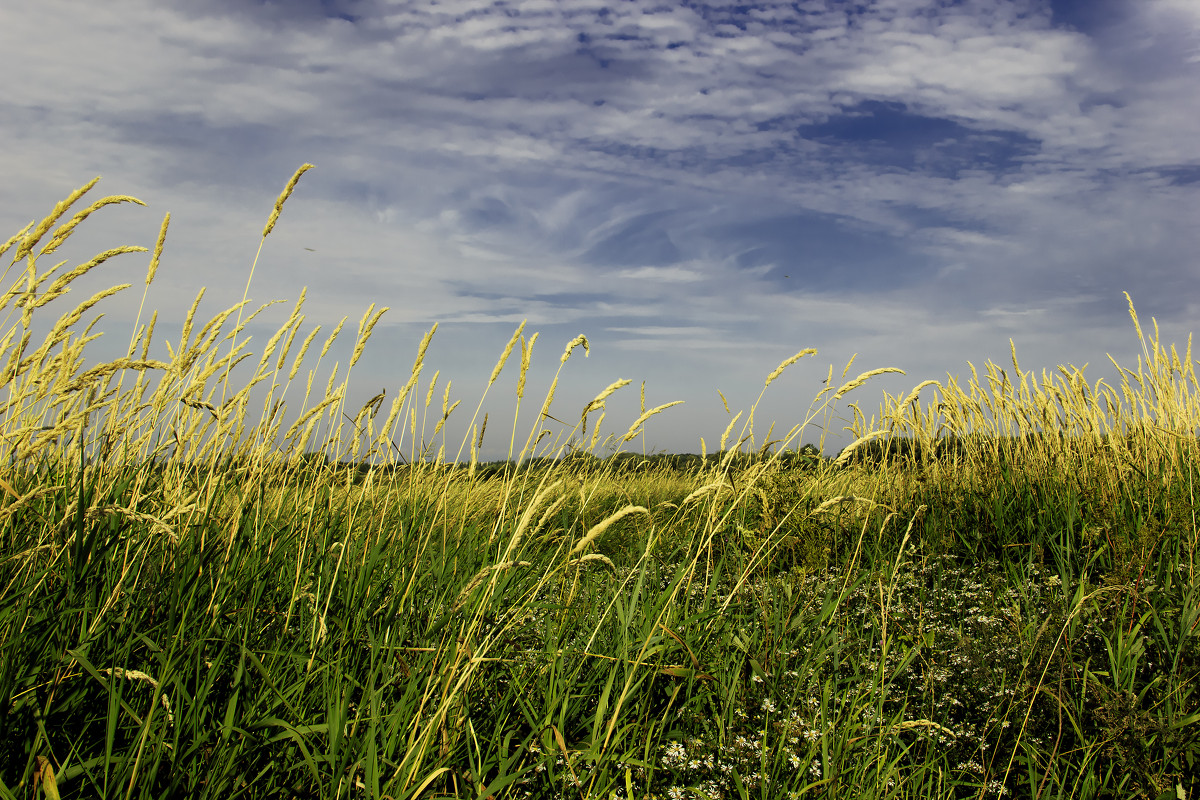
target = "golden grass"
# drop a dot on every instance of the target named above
(809, 351)
(192, 417)
(1056, 418)
(185, 409)
(603, 525)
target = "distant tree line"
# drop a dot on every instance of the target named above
(900, 450)
(895, 451)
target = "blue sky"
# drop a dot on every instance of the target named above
(702, 188)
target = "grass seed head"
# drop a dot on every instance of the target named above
(287, 192)
(303, 350)
(571, 345)
(809, 351)
(545, 412)
(634, 429)
(480, 577)
(158, 248)
(912, 396)
(526, 356)
(65, 231)
(863, 378)
(149, 334)
(512, 341)
(846, 454)
(365, 327)
(16, 237)
(432, 388)
(603, 525)
(332, 336)
(596, 431)
(605, 560)
(729, 430)
(61, 284)
(598, 401)
(30, 241)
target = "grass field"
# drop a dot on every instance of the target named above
(992, 592)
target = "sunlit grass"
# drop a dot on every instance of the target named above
(209, 588)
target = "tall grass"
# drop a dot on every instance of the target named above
(208, 592)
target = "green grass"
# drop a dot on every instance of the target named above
(993, 594)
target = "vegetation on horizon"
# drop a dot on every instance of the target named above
(206, 592)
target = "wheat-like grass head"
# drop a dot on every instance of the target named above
(16, 237)
(863, 378)
(283, 196)
(30, 241)
(65, 231)
(578, 341)
(604, 524)
(512, 341)
(365, 327)
(598, 401)
(729, 430)
(526, 356)
(809, 351)
(845, 455)
(634, 429)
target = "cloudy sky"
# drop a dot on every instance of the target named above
(702, 188)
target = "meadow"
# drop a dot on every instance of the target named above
(208, 592)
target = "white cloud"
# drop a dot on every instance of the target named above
(676, 274)
(471, 162)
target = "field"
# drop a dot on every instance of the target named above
(992, 592)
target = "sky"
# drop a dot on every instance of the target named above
(702, 188)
